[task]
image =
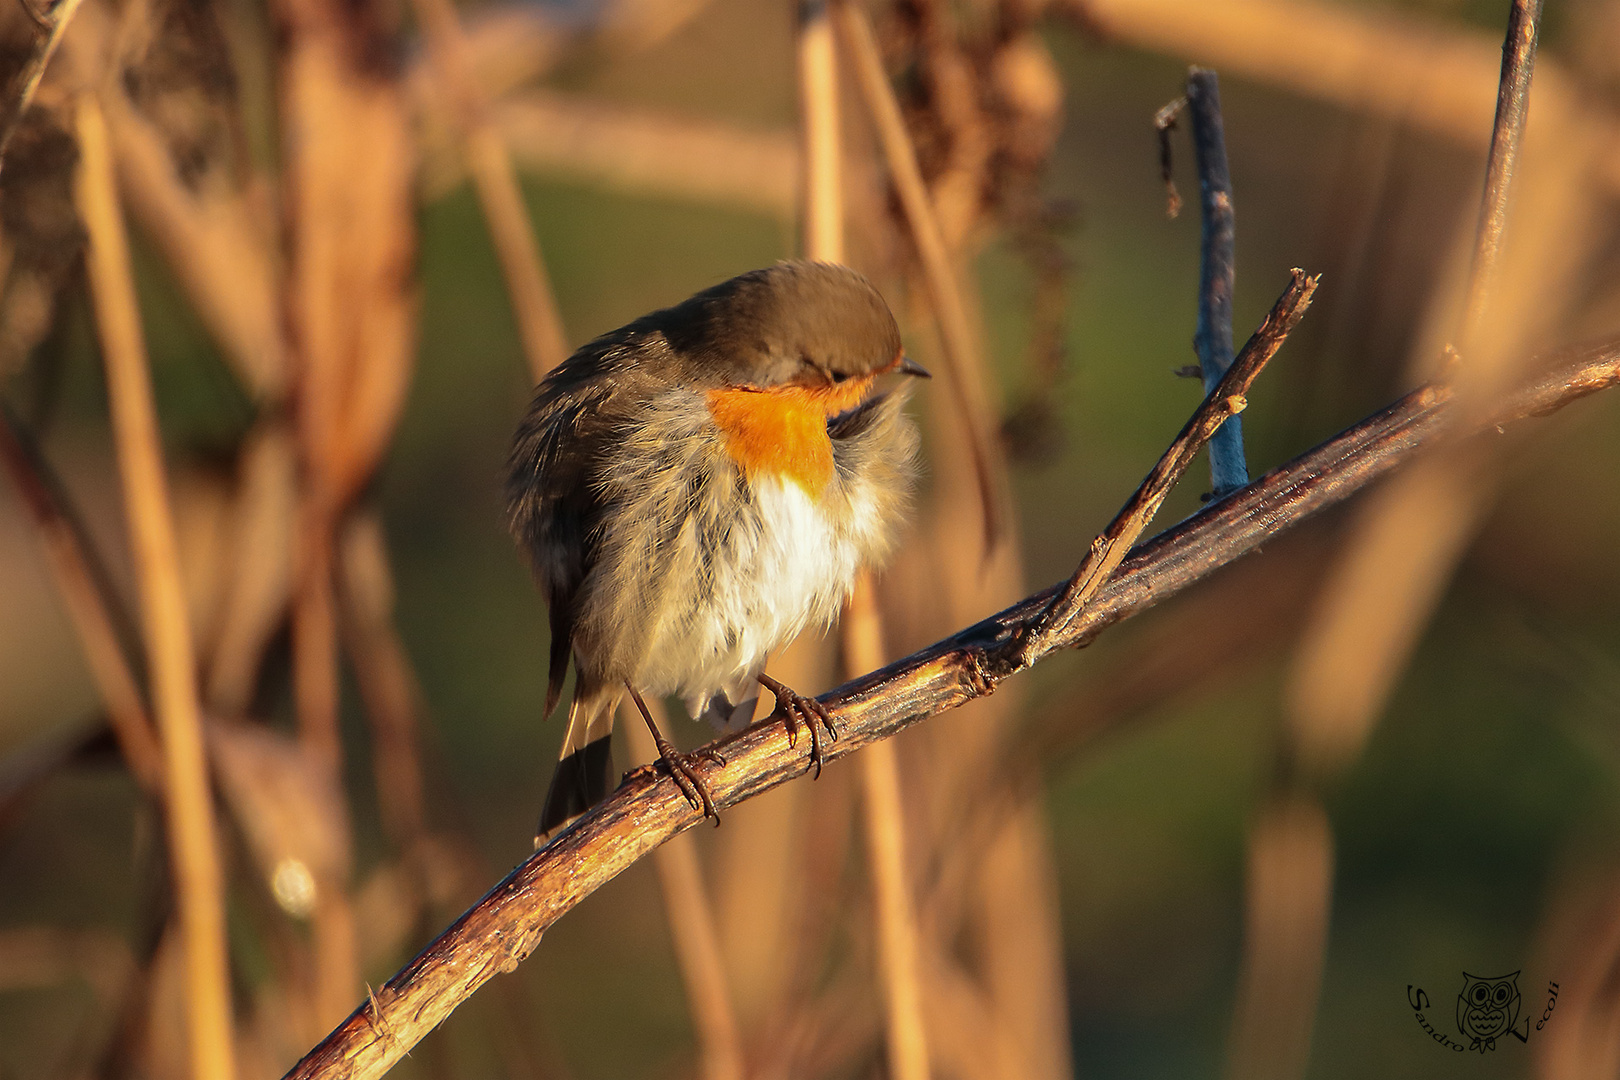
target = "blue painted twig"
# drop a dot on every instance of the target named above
(1213, 339)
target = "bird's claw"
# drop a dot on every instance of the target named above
(682, 769)
(793, 707)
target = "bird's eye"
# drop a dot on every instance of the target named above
(839, 376)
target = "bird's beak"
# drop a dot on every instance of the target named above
(908, 366)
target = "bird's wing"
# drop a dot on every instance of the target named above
(554, 506)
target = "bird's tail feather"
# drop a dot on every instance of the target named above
(585, 769)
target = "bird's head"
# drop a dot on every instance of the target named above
(815, 328)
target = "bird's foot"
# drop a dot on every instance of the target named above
(682, 767)
(792, 707)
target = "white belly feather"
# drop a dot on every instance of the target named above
(789, 565)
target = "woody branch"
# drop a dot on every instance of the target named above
(497, 933)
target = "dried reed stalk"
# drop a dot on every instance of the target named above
(965, 382)
(644, 152)
(861, 623)
(540, 326)
(266, 507)
(894, 913)
(1402, 547)
(388, 685)
(190, 816)
(1289, 887)
(692, 927)
(347, 177)
(66, 552)
(821, 180)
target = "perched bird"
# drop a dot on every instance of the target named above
(696, 488)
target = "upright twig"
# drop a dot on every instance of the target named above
(1507, 136)
(540, 328)
(1228, 470)
(502, 928)
(190, 816)
(944, 290)
(84, 594)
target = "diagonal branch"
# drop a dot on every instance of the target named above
(506, 925)
(1225, 400)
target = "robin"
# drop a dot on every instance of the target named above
(697, 487)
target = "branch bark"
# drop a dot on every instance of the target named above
(505, 926)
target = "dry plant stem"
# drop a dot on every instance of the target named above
(33, 69)
(1217, 278)
(504, 927)
(861, 622)
(190, 816)
(1507, 136)
(490, 162)
(314, 626)
(692, 927)
(387, 683)
(646, 152)
(1224, 401)
(823, 206)
(894, 913)
(88, 608)
(1289, 888)
(347, 174)
(944, 290)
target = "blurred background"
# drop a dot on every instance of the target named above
(1224, 840)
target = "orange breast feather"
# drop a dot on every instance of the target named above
(782, 431)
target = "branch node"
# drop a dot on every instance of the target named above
(978, 674)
